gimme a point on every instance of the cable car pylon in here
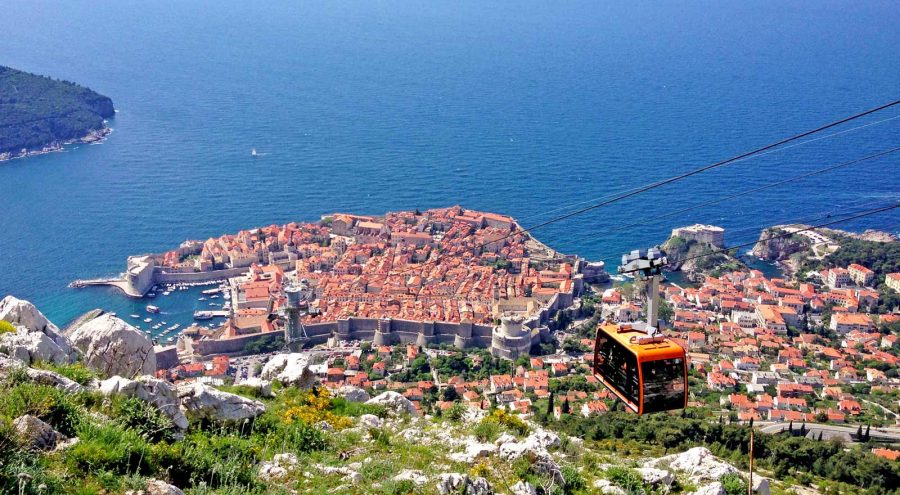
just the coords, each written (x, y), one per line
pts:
(645, 370)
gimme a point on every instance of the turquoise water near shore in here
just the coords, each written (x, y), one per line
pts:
(513, 107)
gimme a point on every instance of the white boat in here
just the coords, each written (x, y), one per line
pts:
(148, 320)
(211, 291)
(214, 297)
(152, 309)
(253, 152)
(135, 316)
(203, 315)
(201, 299)
(166, 293)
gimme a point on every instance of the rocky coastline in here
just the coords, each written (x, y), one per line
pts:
(95, 136)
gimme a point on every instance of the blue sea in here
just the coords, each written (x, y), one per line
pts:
(525, 108)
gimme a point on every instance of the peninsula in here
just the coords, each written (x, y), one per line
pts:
(39, 114)
(444, 275)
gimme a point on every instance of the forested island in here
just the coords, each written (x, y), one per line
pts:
(39, 114)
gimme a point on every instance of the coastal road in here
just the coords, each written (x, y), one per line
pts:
(878, 434)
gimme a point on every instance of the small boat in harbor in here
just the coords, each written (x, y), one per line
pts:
(212, 291)
(148, 320)
(203, 315)
(214, 297)
(152, 309)
(253, 153)
(201, 299)
(135, 316)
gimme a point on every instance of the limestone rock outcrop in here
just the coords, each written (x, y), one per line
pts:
(290, 369)
(395, 403)
(30, 347)
(113, 347)
(156, 487)
(43, 377)
(698, 463)
(353, 394)
(36, 434)
(22, 313)
(201, 401)
(455, 483)
(159, 393)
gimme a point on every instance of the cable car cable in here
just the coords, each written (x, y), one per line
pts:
(670, 180)
(788, 234)
(870, 124)
(745, 192)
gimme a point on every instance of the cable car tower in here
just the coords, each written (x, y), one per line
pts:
(647, 264)
(298, 298)
(641, 367)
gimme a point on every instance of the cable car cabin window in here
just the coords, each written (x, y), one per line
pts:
(619, 367)
(663, 385)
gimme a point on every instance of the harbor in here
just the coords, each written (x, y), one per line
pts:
(168, 309)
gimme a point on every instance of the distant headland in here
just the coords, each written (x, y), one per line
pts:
(39, 114)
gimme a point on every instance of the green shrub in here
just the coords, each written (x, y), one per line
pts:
(76, 372)
(575, 482)
(343, 407)
(145, 419)
(109, 447)
(57, 408)
(487, 430)
(627, 479)
(455, 412)
(733, 484)
(217, 461)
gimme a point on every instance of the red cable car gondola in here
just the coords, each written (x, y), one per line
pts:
(648, 373)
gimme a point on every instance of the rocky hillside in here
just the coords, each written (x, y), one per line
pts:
(681, 253)
(779, 249)
(82, 414)
(38, 112)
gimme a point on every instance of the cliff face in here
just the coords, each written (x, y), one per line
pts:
(696, 260)
(779, 249)
(38, 112)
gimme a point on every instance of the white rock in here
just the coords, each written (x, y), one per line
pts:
(30, 347)
(654, 476)
(43, 377)
(761, 485)
(159, 393)
(349, 474)
(113, 347)
(413, 475)
(35, 433)
(370, 421)
(203, 402)
(710, 489)
(543, 439)
(290, 369)
(608, 488)
(287, 460)
(156, 487)
(478, 486)
(395, 403)
(504, 438)
(353, 394)
(523, 488)
(698, 463)
(413, 434)
(473, 452)
(451, 483)
(262, 387)
(21, 312)
(269, 471)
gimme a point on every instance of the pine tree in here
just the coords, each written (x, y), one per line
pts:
(803, 429)
(820, 435)
(565, 406)
(791, 427)
(859, 433)
(751, 421)
(868, 435)
(550, 405)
